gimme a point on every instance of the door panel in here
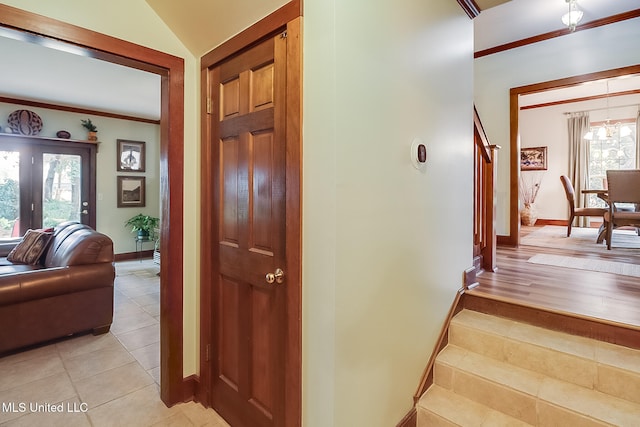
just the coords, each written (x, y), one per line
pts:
(61, 188)
(9, 194)
(250, 319)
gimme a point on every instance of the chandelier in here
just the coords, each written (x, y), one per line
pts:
(573, 16)
(608, 130)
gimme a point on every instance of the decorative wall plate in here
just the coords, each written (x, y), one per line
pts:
(63, 134)
(25, 122)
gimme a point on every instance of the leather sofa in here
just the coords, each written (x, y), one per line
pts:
(70, 289)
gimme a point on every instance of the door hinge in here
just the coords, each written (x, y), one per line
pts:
(33, 207)
(283, 35)
(207, 353)
(208, 105)
(33, 160)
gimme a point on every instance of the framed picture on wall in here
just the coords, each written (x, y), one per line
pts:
(131, 156)
(131, 191)
(533, 159)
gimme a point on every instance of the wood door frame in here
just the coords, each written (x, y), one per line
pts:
(513, 239)
(171, 70)
(290, 17)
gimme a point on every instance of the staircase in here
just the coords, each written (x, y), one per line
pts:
(499, 372)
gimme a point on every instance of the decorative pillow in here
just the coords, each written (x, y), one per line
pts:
(31, 248)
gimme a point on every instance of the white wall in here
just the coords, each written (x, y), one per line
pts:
(582, 52)
(385, 245)
(109, 218)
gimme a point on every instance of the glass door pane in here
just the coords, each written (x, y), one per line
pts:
(61, 188)
(9, 194)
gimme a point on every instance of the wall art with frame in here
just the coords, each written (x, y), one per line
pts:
(533, 159)
(131, 191)
(131, 156)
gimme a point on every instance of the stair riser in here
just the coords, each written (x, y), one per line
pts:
(528, 408)
(495, 396)
(562, 366)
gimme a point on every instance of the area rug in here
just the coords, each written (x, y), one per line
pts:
(587, 264)
(555, 236)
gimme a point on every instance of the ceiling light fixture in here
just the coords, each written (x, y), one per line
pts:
(608, 131)
(571, 18)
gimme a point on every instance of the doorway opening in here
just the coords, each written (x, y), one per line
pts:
(41, 29)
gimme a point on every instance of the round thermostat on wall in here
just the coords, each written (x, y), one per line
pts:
(418, 154)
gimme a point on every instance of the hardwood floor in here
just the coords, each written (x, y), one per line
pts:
(611, 298)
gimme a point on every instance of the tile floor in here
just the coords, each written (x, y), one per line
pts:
(106, 380)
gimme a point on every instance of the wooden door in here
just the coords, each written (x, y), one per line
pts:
(248, 297)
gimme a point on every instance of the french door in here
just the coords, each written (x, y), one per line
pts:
(44, 183)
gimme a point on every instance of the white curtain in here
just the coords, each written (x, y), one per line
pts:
(578, 126)
(638, 139)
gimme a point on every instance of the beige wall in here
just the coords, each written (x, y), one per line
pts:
(582, 52)
(385, 245)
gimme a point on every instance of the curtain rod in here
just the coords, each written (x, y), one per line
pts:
(605, 108)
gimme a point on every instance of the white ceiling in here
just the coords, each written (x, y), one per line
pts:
(520, 19)
(42, 74)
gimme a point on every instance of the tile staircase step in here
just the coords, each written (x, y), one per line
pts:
(528, 396)
(496, 371)
(440, 407)
(593, 364)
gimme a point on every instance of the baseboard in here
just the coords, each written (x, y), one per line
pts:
(189, 387)
(470, 277)
(505, 241)
(562, 222)
(409, 420)
(127, 256)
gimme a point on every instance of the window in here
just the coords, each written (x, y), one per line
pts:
(612, 147)
(44, 182)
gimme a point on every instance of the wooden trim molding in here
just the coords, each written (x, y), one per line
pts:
(128, 256)
(558, 33)
(409, 420)
(189, 387)
(76, 110)
(601, 330)
(171, 70)
(470, 7)
(443, 340)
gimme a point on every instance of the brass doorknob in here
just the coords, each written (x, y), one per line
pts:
(275, 277)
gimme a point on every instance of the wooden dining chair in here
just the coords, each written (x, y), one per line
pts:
(623, 187)
(575, 212)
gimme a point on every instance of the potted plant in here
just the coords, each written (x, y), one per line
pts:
(91, 129)
(144, 225)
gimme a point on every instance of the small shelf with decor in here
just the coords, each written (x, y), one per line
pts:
(8, 137)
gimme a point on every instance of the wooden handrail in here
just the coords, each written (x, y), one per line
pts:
(485, 175)
(485, 146)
